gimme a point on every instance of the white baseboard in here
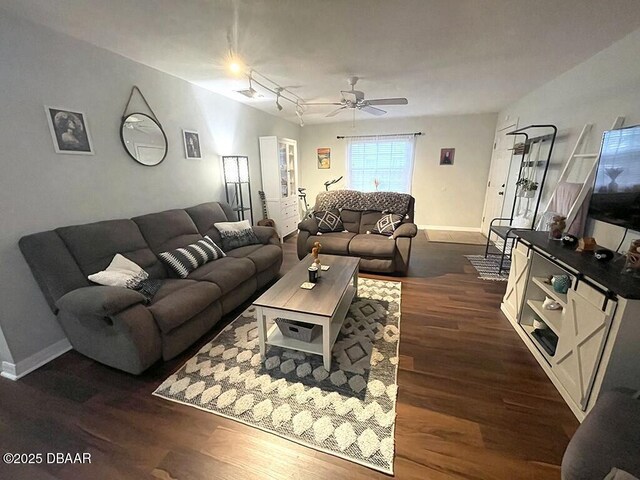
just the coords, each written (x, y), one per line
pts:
(445, 227)
(15, 371)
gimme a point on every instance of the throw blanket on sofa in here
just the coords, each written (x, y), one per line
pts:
(392, 202)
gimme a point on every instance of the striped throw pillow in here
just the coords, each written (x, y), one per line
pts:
(185, 260)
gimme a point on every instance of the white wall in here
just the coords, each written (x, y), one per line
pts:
(450, 196)
(596, 91)
(41, 190)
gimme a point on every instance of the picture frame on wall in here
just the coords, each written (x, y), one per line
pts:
(192, 147)
(69, 131)
(447, 155)
(324, 158)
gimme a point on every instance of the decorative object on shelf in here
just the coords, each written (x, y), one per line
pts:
(526, 188)
(266, 221)
(561, 283)
(603, 254)
(556, 227)
(447, 155)
(538, 324)
(69, 131)
(569, 240)
(237, 186)
(191, 140)
(324, 158)
(587, 244)
(551, 304)
(142, 135)
(632, 264)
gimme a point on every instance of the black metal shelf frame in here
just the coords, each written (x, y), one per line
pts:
(505, 232)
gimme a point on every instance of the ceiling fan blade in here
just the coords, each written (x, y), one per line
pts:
(321, 103)
(335, 112)
(372, 110)
(388, 101)
(353, 95)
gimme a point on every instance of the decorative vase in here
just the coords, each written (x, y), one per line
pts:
(561, 283)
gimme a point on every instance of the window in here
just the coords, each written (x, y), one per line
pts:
(383, 163)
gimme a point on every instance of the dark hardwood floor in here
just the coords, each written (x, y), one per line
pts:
(472, 403)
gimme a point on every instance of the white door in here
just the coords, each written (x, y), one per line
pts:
(498, 174)
(585, 327)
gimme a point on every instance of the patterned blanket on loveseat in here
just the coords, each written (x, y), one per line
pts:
(391, 202)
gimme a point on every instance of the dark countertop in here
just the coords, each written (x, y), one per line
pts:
(608, 274)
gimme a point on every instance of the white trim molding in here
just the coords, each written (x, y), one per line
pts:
(450, 228)
(15, 371)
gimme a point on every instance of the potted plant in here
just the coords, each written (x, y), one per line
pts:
(526, 187)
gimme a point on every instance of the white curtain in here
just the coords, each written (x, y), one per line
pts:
(381, 163)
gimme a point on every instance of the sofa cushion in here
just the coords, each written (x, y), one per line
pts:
(180, 300)
(369, 220)
(205, 215)
(372, 245)
(183, 261)
(351, 219)
(329, 221)
(333, 243)
(94, 245)
(387, 224)
(167, 230)
(263, 256)
(227, 273)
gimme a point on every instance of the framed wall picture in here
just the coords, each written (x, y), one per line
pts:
(447, 155)
(69, 131)
(191, 144)
(324, 158)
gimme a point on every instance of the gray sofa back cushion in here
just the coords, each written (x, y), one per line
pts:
(94, 245)
(205, 215)
(369, 220)
(351, 220)
(168, 230)
(53, 266)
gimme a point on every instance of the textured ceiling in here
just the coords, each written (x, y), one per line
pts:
(445, 56)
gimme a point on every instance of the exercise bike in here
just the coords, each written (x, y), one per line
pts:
(302, 195)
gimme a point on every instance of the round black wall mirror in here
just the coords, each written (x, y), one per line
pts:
(144, 139)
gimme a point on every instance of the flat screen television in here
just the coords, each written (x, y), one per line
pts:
(616, 193)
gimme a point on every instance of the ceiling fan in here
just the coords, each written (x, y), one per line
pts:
(352, 99)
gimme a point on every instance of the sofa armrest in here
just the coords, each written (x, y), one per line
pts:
(266, 235)
(406, 230)
(309, 225)
(99, 300)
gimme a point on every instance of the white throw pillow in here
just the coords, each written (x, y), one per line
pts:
(121, 272)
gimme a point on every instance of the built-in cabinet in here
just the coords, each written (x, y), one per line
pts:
(279, 164)
(590, 344)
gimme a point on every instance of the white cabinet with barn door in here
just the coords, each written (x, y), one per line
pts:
(279, 164)
(586, 338)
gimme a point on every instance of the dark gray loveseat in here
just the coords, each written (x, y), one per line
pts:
(115, 325)
(359, 212)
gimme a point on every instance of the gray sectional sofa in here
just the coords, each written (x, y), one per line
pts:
(120, 327)
(359, 212)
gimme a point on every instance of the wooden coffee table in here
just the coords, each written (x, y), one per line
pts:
(326, 304)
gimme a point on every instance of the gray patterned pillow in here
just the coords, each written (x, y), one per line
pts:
(387, 224)
(236, 234)
(329, 221)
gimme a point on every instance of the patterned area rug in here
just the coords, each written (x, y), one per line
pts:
(348, 412)
(488, 267)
